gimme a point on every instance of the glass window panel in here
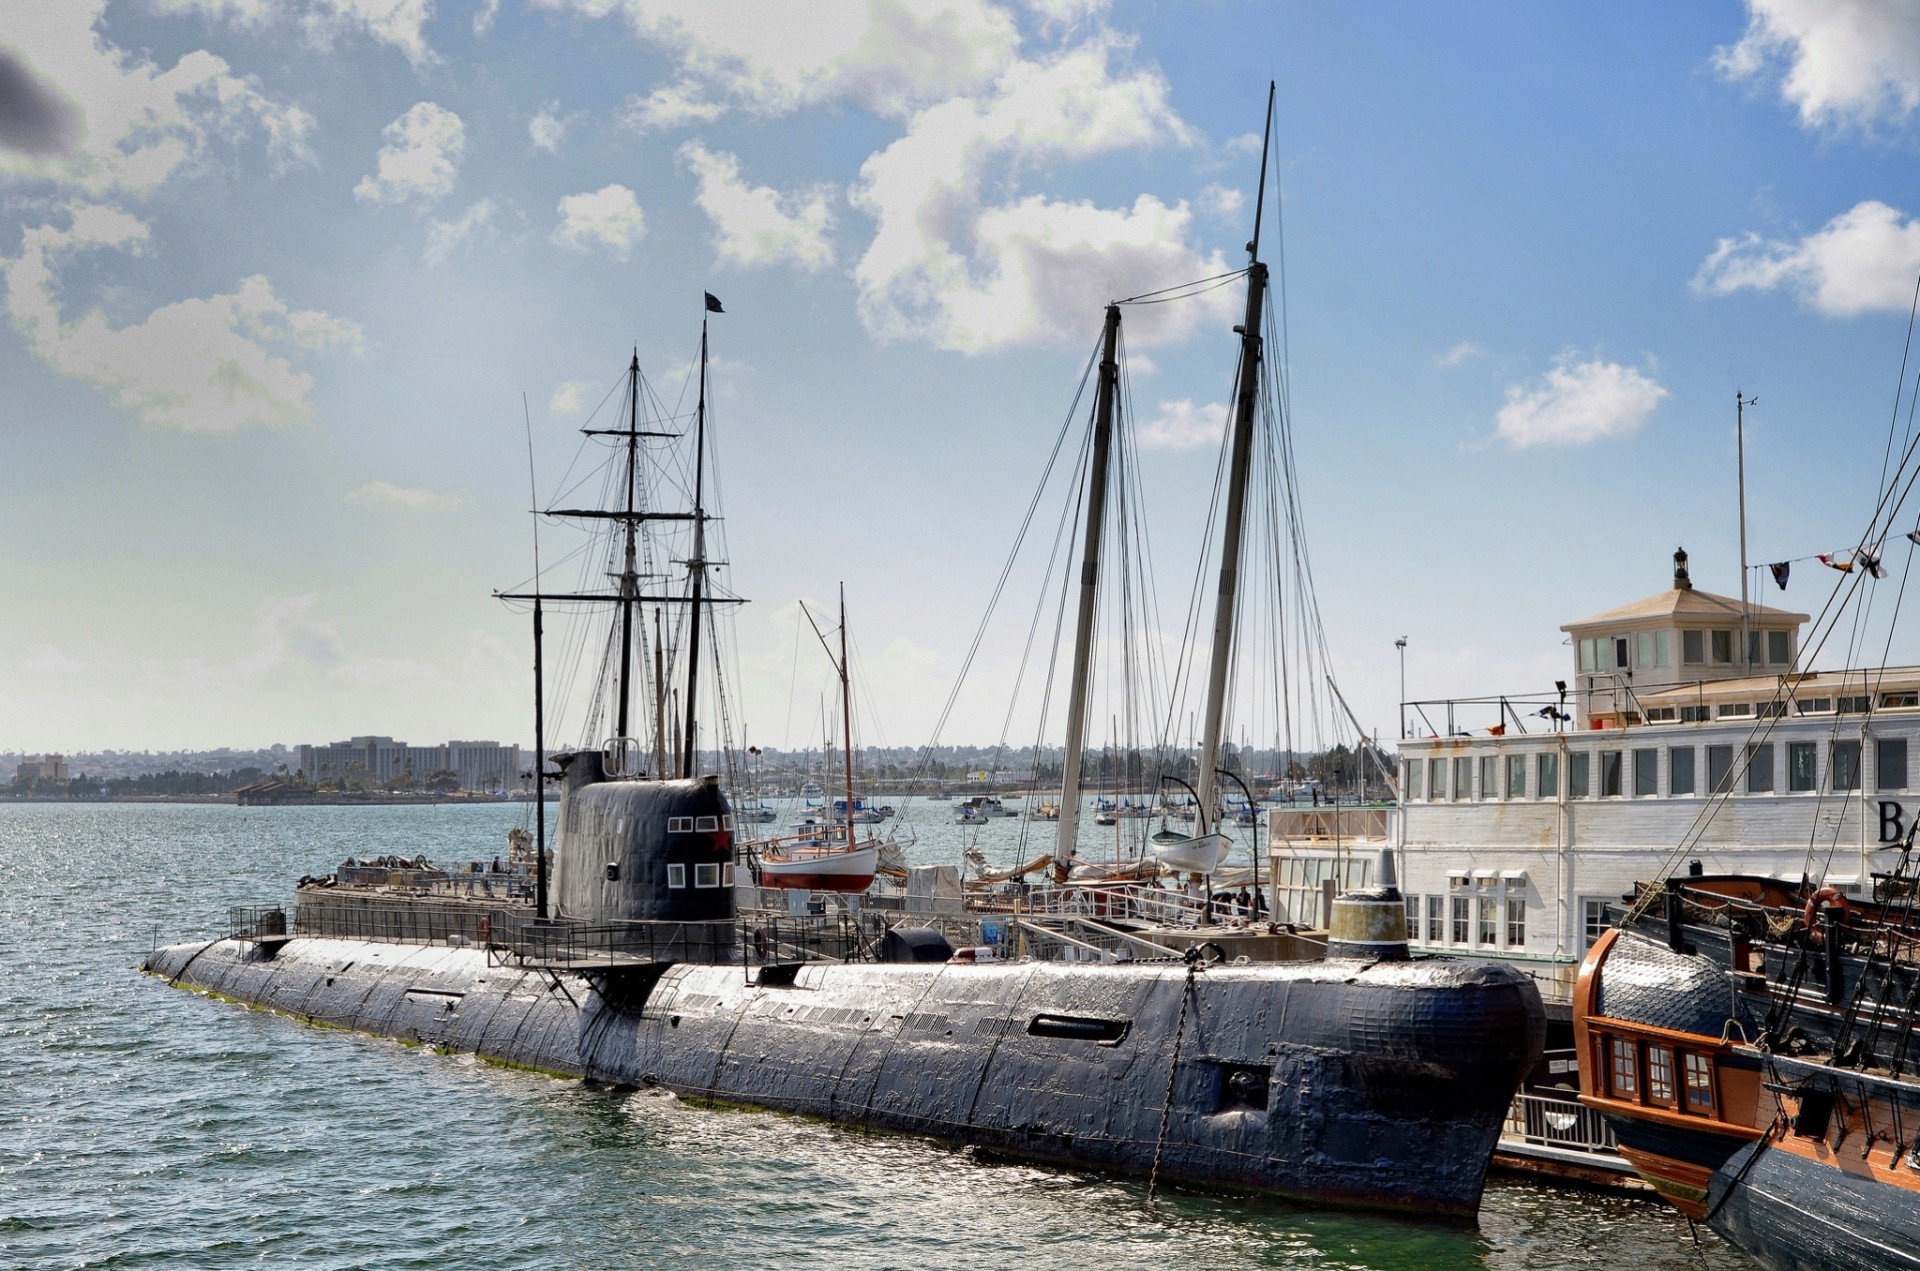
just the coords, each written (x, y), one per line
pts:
(1699, 1077)
(1516, 921)
(1643, 649)
(1587, 656)
(676, 875)
(1436, 920)
(1489, 788)
(1437, 778)
(1415, 786)
(1620, 653)
(1489, 919)
(1693, 647)
(1753, 649)
(1609, 773)
(1516, 776)
(1577, 774)
(706, 875)
(1413, 917)
(1779, 647)
(1659, 648)
(1549, 774)
(1646, 773)
(1845, 765)
(1623, 1068)
(1660, 1074)
(1890, 763)
(1800, 774)
(1760, 768)
(1719, 769)
(1722, 647)
(1462, 918)
(1462, 779)
(1680, 770)
(1593, 918)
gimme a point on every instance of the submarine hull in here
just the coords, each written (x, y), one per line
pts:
(1376, 1085)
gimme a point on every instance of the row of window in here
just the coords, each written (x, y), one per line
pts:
(1612, 774)
(704, 875)
(1485, 918)
(1646, 649)
(1660, 1075)
(1854, 704)
(699, 824)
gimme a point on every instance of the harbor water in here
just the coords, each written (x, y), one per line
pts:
(142, 1126)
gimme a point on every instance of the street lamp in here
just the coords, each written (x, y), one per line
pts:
(1401, 644)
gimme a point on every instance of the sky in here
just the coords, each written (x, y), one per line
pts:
(278, 276)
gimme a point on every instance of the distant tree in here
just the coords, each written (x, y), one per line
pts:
(445, 781)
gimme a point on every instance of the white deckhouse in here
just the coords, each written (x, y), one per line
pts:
(1693, 742)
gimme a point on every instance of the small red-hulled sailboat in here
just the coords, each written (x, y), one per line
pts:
(823, 857)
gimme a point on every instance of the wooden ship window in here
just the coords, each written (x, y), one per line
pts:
(1699, 1076)
(1660, 1075)
(1623, 1068)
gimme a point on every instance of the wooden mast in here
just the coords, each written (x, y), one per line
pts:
(697, 567)
(846, 713)
(1240, 467)
(1067, 829)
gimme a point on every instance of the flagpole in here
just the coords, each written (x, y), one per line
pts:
(1740, 403)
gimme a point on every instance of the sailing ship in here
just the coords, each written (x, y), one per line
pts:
(813, 860)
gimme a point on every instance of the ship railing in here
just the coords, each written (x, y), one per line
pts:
(256, 922)
(1557, 1122)
(520, 939)
(477, 882)
(343, 914)
(1075, 939)
(1138, 902)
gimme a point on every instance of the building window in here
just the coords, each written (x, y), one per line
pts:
(706, 875)
(1680, 770)
(1462, 779)
(1488, 787)
(1516, 921)
(1813, 705)
(1646, 773)
(676, 875)
(1800, 775)
(1413, 917)
(1660, 1075)
(1736, 710)
(1593, 919)
(1650, 649)
(1462, 918)
(1620, 653)
(1695, 714)
(1436, 920)
(1415, 770)
(1890, 763)
(1844, 765)
(1693, 647)
(1623, 1068)
(1609, 774)
(1699, 1076)
(1516, 776)
(1719, 769)
(1548, 770)
(1489, 909)
(1722, 648)
(707, 824)
(1577, 774)
(1436, 779)
(679, 824)
(1760, 768)
(1589, 655)
(1856, 705)
(1779, 647)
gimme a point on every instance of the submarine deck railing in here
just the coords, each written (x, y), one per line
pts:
(1139, 902)
(520, 939)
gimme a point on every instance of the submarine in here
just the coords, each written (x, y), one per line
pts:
(1366, 1080)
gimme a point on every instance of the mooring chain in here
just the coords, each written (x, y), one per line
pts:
(1173, 1070)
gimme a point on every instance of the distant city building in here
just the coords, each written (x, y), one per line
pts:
(480, 765)
(41, 768)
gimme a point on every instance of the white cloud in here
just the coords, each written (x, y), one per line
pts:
(1222, 201)
(121, 123)
(569, 397)
(399, 23)
(758, 225)
(198, 365)
(548, 128)
(886, 55)
(445, 237)
(608, 218)
(484, 16)
(1840, 63)
(1181, 425)
(946, 268)
(1459, 355)
(421, 159)
(1578, 402)
(1862, 260)
(387, 494)
(670, 106)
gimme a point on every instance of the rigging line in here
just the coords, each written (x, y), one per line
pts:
(1215, 279)
(1013, 555)
(1197, 290)
(1900, 382)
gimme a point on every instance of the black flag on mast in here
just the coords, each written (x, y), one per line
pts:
(713, 303)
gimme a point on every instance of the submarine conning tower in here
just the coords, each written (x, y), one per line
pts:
(1371, 923)
(640, 851)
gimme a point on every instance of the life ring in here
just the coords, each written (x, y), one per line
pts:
(1827, 895)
